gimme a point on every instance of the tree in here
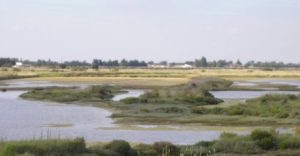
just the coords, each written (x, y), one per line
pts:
(62, 66)
(197, 63)
(163, 63)
(201, 63)
(239, 63)
(7, 62)
(95, 64)
(221, 63)
(124, 63)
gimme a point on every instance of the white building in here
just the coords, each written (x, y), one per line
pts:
(185, 66)
(157, 66)
(18, 65)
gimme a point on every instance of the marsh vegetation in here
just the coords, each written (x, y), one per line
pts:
(195, 92)
(73, 94)
(259, 142)
(187, 103)
(276, 106)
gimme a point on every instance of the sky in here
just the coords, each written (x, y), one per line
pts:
(172, 30)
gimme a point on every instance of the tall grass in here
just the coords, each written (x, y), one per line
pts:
(276, 106)
(258, 142)
(47, 147)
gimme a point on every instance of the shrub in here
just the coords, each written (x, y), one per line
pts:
(166, 148)
(264, 139)
(130, 100)
(235, 111)
(120, 146)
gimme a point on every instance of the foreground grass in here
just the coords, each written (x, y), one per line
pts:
(259, 142)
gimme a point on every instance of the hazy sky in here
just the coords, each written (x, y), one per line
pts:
(174, 30)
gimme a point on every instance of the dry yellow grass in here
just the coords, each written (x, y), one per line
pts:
(147, 77)
(121, 81)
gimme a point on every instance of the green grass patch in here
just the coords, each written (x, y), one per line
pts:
(276, 106)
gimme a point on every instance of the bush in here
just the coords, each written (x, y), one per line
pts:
(264, 139)
(235, 111)
(122, 147)
(166, 148)
(130, 100)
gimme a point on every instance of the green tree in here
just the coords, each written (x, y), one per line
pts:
(124, 63)
(201, 63)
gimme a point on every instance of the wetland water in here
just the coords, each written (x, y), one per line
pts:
(236, 95)
(130, 93)
(23, 119)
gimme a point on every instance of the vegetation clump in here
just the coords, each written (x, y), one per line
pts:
(93, 93)
(196, 92)
(258, 142)
(277, 106)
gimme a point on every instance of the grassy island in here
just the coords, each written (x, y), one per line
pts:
(73, 94)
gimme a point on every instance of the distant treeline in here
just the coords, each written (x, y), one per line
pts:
(7, 62)
(114, 63)
(96, 63)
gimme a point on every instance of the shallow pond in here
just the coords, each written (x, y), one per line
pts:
(251, 83)
(233, 95)
(129, 93)
(236, 95)
(34, 84)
